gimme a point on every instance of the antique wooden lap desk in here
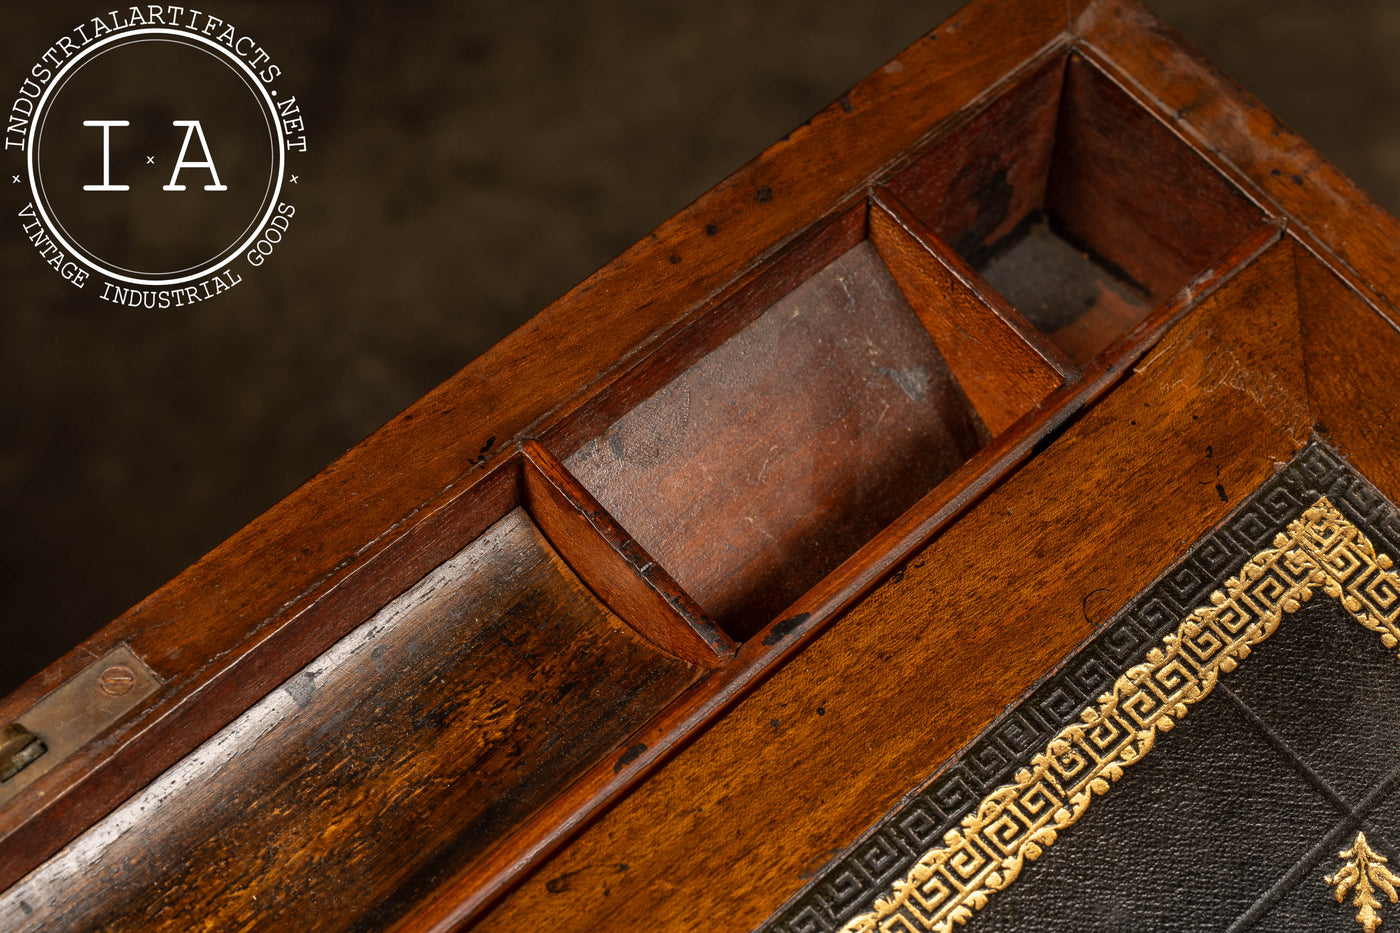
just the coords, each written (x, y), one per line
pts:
(975, 510)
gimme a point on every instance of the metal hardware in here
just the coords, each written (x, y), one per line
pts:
(116, 680)
(18, 747)
(70, 716)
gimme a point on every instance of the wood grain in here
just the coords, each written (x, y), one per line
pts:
(464, 897)
(1240, 136)
(801, 766)
(773, 458)
(923, 587)
(717, 320)
(1078, 202)
(400, 755)
(990, 170)
(245, 617)
(1003, 367)
(1351, 351)
(1124, 185)
(615, 567)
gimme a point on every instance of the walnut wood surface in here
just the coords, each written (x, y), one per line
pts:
(800, 767)
(1241, 137)
(700, 803)
(763, 466)
(244, 618)
(999, 362)
(1132, 192)
(990, 170)
(454, 713)
(1356, 405)
(615, 567)
(1066, 155)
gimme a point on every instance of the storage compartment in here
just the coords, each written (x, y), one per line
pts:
(1079, 206)
(775, 456)
(404, 753)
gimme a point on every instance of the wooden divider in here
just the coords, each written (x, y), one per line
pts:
(615, 566)
(1004, 365)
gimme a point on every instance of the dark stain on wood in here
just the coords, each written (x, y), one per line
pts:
(1077, 204)
(452, 715)
(785, 627)
(1015, 121)
(632, 753)
(755, 472)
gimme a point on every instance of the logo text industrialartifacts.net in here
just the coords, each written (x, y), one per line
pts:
(154, 152)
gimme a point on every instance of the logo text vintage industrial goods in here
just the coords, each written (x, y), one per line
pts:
(155, 148)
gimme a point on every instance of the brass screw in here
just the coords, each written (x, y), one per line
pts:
(116, 680)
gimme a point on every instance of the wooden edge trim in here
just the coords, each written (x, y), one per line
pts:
(1113, 71)
(294, 611)
(1269, 161)
(268, 627)
(1129, 348)
(465, 897)
(1318, 250)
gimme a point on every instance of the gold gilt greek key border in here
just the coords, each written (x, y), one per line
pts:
(1321, 550)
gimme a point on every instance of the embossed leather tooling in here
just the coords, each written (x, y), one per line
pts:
(1319, 554)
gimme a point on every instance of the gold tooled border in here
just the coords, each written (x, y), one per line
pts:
(1017, 822)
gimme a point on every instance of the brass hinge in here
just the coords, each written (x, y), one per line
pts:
(70, 716)
(18, 747)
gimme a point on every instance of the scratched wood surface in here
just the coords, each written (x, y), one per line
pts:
(255, 610)
(771, 460)
(1045, 476)
(398, 756)
(809, 760)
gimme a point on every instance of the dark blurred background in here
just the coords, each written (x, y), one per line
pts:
(468, 163)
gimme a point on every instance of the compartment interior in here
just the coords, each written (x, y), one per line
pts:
(1079, 206)
(777, 454)
(447, 719)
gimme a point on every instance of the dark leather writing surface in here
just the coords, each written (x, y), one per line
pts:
(1233, 814)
